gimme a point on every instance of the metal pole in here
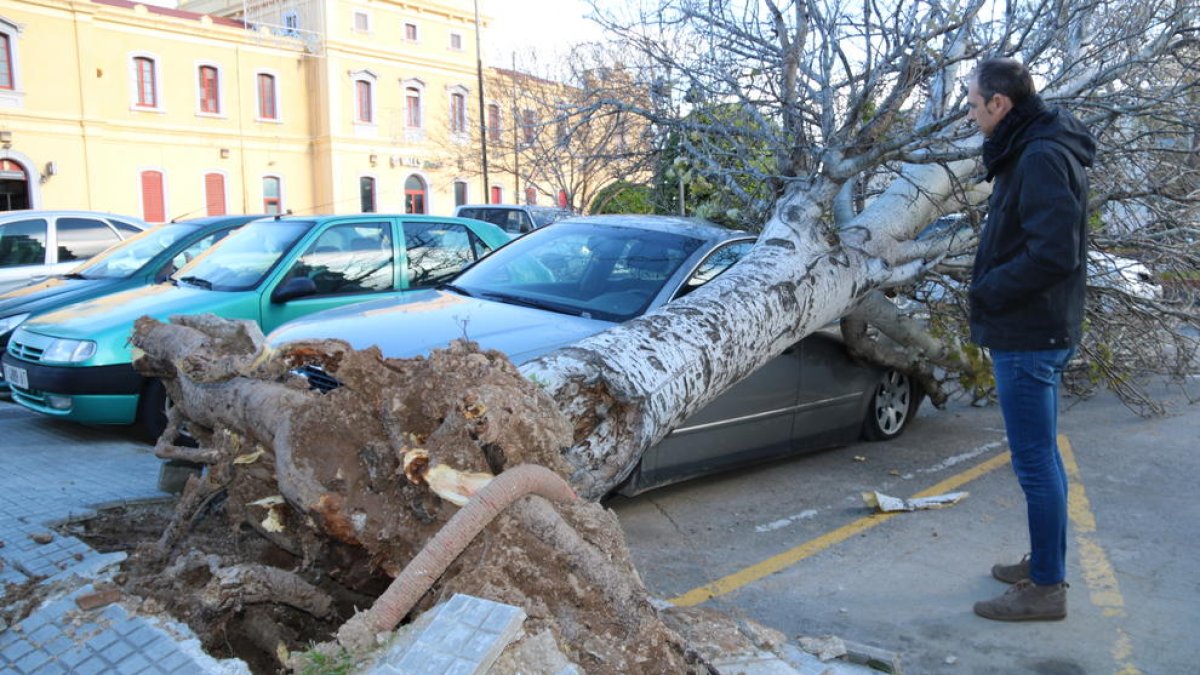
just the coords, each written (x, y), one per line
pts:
(483, 138)
(516, 138)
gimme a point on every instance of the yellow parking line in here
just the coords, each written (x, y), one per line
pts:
(775, 563)
(1098, 573)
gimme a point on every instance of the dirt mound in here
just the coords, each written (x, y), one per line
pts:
(312, 502)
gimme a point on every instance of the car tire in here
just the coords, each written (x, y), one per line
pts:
(892, 407)
(152, 409)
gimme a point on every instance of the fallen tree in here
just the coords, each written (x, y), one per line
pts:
(354, 484)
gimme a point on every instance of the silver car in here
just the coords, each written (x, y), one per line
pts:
(577, 277)
(35, 245)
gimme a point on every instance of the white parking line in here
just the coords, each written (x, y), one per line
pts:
(966, 456)
(784, 522)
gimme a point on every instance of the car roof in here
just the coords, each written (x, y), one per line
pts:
(696, 228)
(419, 217)
(219, 220)
(55, 213)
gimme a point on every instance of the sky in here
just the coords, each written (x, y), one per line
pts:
(549, 25)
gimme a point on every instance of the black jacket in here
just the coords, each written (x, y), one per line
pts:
(1027, 290)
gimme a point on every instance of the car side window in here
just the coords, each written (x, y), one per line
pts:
(126, 229)
(349, 258)
(188, 254)
(717, 262)
(436, 252)
(23, 242)
(82, 238)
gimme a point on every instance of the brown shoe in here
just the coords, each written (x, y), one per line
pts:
(1026, 601)
(1011, 574)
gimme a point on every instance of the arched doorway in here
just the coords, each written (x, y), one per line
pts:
(14, 186)
(415, 197)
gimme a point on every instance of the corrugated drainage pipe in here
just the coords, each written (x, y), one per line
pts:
(418, 576)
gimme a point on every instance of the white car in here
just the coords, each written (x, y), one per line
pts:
(35, 245)
(1106, 270)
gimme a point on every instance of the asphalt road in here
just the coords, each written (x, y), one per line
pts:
(792, 544)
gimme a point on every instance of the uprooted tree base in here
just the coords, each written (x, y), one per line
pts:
(312, 502)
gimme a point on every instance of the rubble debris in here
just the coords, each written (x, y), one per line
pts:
(888, 504)
(824, 647)
(102, 596)
(41, 537)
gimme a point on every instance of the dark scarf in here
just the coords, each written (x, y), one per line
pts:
(1003, 141)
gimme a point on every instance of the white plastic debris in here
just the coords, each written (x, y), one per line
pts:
(889, 504)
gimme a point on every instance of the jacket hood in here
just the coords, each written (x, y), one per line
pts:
(1032, 120)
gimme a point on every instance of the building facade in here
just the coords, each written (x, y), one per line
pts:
(308, 106)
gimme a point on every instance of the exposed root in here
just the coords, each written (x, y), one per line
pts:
(240, 585)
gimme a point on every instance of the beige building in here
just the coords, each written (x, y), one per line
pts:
(309, 106)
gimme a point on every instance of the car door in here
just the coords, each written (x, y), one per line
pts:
(78, 238)
(752, 420)
(346, 261)
(829, 400)
(23, 251)
(436, 251)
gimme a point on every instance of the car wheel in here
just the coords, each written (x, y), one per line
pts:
(892, 406)
(152, 409)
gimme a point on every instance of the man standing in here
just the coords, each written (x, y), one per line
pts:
(1027, 295)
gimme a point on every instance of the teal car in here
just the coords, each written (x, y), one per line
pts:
(76, 362)
(146, 258)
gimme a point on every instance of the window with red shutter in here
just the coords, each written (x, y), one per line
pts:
(214, 194)
(413, 97)
(364, 101)
(497, 194)
(6, 71)
(209, 101)
(153, 207)
(266, 97)
(147, 94)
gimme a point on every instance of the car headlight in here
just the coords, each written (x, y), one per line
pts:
(63, 350)
(9, 323)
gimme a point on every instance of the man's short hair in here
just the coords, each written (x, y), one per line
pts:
(1003, 76)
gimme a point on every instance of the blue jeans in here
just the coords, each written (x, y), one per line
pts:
(1027, 383)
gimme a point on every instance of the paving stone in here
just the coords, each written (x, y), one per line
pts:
(31, 661)
(464, 638)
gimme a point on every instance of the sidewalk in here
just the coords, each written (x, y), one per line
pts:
(45, 481)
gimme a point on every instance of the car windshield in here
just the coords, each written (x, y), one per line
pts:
(129, 256)
(584, 269)
(543, 217)
(244, 258)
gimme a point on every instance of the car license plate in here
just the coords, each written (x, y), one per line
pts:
(16, 377)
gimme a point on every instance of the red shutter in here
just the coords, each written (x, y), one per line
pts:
(153, 208)
(496, 195)
(214, 194)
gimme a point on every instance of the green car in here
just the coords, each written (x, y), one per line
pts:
(76, 362)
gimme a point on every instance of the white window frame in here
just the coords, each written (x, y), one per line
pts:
(354, 21)
(416, 29)
(370, 78)
(159, 99)
(415, 133)
(221, 112)
(358, 190)
(262, 195)
(278, 119)
(461, 43)
(466, 192)
(464, 135)
(15, 97)
(291, 30)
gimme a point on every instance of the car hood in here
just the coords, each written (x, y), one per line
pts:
(53, 293)
(422, 321)
(91, 319)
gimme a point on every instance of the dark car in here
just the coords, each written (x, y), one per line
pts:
(559, 284)
(143, 259)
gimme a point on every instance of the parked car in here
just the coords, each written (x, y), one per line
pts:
(75, 362)
(37, 244)
(514, 218)
(143, 259)
(580, 276)
(1119, 273)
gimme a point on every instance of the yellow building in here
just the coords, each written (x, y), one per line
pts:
(309, 106)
